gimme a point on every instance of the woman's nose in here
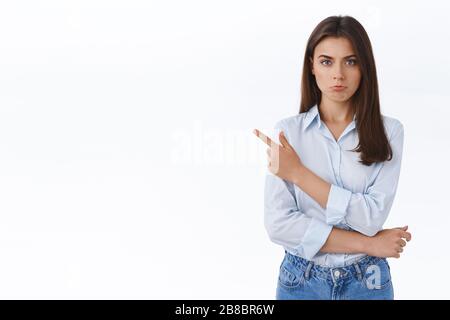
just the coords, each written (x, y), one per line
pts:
(338, 73)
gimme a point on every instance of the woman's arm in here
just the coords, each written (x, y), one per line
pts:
(290, 227)
(313, 185)
(386, 243)
(363, 212)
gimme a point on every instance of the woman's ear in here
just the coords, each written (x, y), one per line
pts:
(311, 63)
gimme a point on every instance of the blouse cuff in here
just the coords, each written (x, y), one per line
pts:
(338, 200)
(315, 237)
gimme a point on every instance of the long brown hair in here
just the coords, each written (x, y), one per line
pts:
(373, 143)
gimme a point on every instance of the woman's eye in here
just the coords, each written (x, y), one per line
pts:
(327, 62)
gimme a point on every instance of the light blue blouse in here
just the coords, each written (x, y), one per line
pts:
(360, 196)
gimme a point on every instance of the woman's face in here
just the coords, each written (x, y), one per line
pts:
(334, 64)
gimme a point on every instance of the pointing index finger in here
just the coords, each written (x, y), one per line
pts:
(264, 138)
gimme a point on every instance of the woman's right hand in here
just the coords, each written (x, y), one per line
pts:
(388, 243)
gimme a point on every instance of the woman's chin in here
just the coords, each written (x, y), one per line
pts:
(338, 97)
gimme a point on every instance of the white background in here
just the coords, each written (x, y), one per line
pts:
(128, 169)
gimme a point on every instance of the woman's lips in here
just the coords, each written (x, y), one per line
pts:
(338, 88)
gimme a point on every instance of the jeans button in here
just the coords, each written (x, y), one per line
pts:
(337, 273)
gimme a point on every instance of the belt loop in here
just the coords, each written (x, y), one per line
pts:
(358, 271)
(308, 269)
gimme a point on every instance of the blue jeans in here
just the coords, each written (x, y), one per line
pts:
(367, 278)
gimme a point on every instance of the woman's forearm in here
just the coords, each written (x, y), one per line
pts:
(313, 185)
(339, 240)
(344, 241)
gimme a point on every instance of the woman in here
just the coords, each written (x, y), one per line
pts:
(333, 179)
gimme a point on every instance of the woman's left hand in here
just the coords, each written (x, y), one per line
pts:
(283, 160)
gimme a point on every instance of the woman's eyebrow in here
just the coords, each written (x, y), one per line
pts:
(328, 57)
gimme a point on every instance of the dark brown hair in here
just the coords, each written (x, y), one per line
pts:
(373, 143)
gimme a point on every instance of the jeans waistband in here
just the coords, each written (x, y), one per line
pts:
(356, 269)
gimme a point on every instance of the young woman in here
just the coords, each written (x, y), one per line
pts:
(334, 175)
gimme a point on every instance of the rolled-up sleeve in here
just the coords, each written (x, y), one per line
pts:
(366, 212)
(286, 225)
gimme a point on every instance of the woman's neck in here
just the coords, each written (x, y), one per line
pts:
(336, 112)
